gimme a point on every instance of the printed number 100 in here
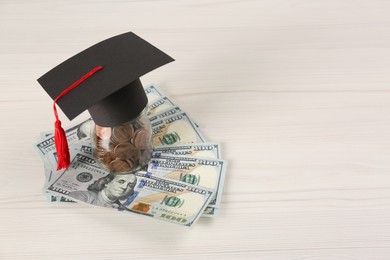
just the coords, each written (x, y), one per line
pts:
(173, 218)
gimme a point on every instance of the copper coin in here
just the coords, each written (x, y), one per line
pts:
(141, 139)
(131, 163)
(137, 125)
(144, 122)
(103, 132)
(122, 133)
(112, 145)
(98, 154)
(127, 151)
(107, 158)
(119, 165)
(123, 151)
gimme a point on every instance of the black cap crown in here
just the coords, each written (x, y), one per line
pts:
(114, 95)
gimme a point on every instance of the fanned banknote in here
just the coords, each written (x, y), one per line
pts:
(210, 212)
(152, 196)
(160, 105)
(153, 93)
(204, 150)
(177, 129)
(45, 148)
(203, 172)
(73, 135)
(168, 113)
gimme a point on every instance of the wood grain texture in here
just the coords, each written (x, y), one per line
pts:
(296, 92)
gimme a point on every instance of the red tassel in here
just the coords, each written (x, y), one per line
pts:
(63, 156)
(62, 148)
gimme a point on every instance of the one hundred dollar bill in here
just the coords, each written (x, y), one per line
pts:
(153, 93)
(168, 113)
(210, 212)
(165, 113)
(202, 172)
(160, 105)
(45, 148)
(84, 147)
(177, 129)
(204, 150)
(153, 196)
(51, 173)
(50, 166)
(51, 159)
(73, 135)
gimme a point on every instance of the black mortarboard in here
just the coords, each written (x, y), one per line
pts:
(114, 95)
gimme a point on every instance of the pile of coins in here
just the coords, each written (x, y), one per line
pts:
(124, 148)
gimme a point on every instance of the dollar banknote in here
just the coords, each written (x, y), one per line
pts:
(166, 113)
(153, 93)
(73, 134)
(50, 165)
(153, 196)
(210, 212)
(48, 174)
(204, 150)
(51, 159)
(177, 129)
(202, 172)
(160, 105)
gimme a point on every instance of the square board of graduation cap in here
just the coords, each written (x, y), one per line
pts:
(113, 95)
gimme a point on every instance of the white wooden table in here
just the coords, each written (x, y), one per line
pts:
(296, 92)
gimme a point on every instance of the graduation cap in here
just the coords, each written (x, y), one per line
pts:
(103, 79)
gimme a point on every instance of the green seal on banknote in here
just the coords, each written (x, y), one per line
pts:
(173, 202)
(170, 138)
(190, 178)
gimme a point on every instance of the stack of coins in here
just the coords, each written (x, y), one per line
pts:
(124, 148)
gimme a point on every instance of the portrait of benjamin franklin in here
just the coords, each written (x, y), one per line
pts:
(108, 191)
